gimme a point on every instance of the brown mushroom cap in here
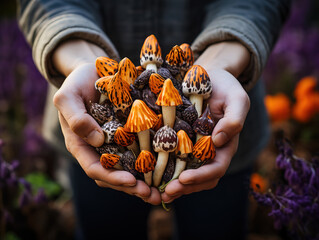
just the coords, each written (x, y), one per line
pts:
(119, 93)
(188, 56)
(145, 162)
(109, 160)
(127, 70)
(184, 145)
(204, 149)
(141, 117)
(169, 95)
(175, 58)
(165, 140)
(151, 52)
(204, 125)
(156, 82)
(102, 83)
(197, 81)
(123, 137)
(106, 66)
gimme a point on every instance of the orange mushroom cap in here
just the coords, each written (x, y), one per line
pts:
(204, 149)
(188, 56)
(156, 82)
(102, 83)
(119, 93)
(127, 70)
(159, 123)
(109, 160)
(169, 96)
(184, 144)
(106, 66)
(145, 162)
(197, 81)
(139, 70)
(175, 57)
(141, 117)
(151, 52)
(123, 137)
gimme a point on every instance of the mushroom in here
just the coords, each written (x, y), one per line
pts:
(164, 142)
(184, 148)
(190, 114)
(204, 149)
(110, 161)
(156, 82)
(106, 66)
(101, 113)
(150, 99)
(142, 80)
(109, 129)
(182, 125)
(101, 85)
(108, 148)
(151, 54)
(127, 161)
(127, 70)
(139, 70)
(140, 120)
(145, 163)
(135, 93)
(169, 98)
(174, 61)
(170, 168)
(126, 139)
(197, 86)
(159, 123)
(204, 125)
(119, 93)
(188, 57)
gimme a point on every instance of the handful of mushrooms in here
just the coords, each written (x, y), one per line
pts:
(153, 114)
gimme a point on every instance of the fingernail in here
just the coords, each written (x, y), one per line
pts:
(95, 138)
(220, 139)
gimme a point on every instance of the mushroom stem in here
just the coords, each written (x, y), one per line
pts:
(151, 66)
(179, 168)
(103, 97)
(169, 114)
(198, 101)
(135, 148)
(144, 140)
(160, 166)
(148, 178)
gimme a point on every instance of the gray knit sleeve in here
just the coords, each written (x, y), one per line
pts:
(254, 23)
(46, 24)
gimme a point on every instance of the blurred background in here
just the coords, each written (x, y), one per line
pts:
(36, 204)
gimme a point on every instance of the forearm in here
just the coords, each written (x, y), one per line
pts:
(72, 53)
(231, 56)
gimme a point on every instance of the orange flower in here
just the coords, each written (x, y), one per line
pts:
(258, 183)
(278, 107)
(306, 108)
(305, 87)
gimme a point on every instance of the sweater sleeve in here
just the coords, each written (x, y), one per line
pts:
(254, 23)
(47, 23)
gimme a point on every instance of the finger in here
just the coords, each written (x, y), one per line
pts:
(88, 159)
(214, 169)
(72, 107)
(235, 112)
(154, 198)
(140, 190)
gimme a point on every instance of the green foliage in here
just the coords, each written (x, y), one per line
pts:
(40, 180)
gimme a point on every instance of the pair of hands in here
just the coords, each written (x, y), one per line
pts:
(229, 104)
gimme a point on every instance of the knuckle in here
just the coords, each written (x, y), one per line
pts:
(76, 123)
(58, 98)
(236, 125)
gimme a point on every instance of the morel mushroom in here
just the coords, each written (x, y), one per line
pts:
(204, 125)
(140, 120)
(188, 57)
(204, 149)
(101, 85)
(150, 99)
(145, 163)
(119, 93)
(127, 70)
(151, 54)
(110, 161)
(190, 114)
(139, 70)
(169, 98)
(182, 125)
(143, 79)
(174, 61)
(184, 148)
(109, 129)
(101, 113)
(106, 66)
(108, 148)
(127, 161)
(126, 139)
(156, 82)
(197, 86)
(164, 142)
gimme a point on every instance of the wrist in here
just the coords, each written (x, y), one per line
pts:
(73, 53)
(230, 56)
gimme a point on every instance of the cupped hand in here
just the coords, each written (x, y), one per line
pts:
(229, 105)
(82, 133)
